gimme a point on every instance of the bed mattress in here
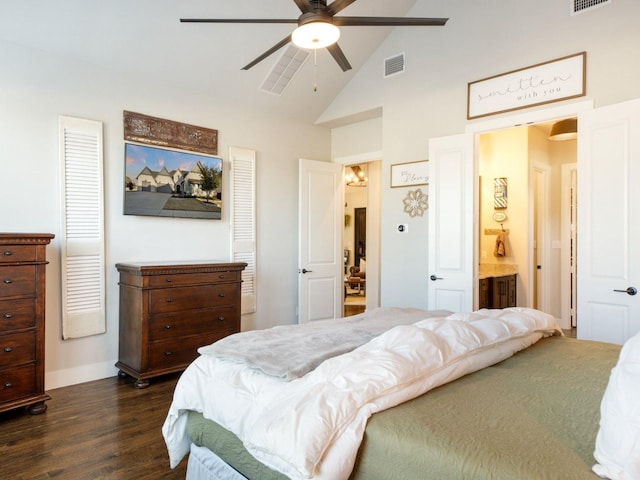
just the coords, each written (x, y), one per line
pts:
(532, 416)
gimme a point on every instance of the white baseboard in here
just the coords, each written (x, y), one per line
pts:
(73, 376)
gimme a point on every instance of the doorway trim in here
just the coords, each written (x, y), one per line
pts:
(539, 198)
(568, 239)
(528, 118)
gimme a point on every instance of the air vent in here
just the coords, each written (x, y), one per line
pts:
(579, 6)
(284, 70)
(394, 65)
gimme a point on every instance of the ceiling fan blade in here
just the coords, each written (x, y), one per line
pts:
(304, 5)
(238, 20)
(273, 49)
(387, 21)
(337, 6)
(338, 55)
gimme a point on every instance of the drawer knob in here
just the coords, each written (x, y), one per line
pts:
(168, 354)
(169, 280)
(168, 327)
(7, 281)
(8, 349)
(8, 253)
(221, 295)
(8, 315)
(8, 384)
(169, 300)
(221, 276)
(221, 319)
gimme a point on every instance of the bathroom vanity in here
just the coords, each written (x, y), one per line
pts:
(497, 285)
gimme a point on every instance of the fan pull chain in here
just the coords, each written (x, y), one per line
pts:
(315, 69)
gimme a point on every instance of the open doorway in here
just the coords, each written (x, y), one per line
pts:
(528, 217)
(354, 239)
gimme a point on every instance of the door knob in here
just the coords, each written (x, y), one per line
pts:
(629, 291)
(304, 270)
(434, 278)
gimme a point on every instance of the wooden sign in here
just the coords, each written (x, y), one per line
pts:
(547, 82)
(167, 133)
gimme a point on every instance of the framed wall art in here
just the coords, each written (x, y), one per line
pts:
(410, 174)
(547, 82)
(161, 132)
(171, 183)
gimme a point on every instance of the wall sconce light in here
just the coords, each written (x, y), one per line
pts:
(564, 130)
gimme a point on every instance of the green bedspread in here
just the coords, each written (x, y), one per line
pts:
(534, 416)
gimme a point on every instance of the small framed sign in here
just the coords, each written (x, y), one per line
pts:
(539, 84)
(410, 174)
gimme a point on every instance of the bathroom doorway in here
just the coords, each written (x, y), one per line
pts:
(531, 215)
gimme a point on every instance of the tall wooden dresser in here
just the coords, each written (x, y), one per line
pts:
(169, 310)
(22, 320)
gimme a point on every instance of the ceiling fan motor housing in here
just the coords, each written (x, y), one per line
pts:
(310, 17)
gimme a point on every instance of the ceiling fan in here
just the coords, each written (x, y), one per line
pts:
(318, 27)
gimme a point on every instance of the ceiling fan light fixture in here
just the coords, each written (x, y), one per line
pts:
(564, 130)
(316, 34)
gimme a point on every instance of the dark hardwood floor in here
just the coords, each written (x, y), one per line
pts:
(105, 429)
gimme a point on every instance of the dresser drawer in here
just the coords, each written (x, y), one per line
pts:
(180, 351)
(17, 348)
(17, 280)
(166, 300)
(17, 315)
(17, 382)
(193, 278)
(193, 322)
(17, 253)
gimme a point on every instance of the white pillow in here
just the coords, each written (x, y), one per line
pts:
(363, 265)
(618, 442)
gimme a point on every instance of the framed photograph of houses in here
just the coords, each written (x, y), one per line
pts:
(172, 183)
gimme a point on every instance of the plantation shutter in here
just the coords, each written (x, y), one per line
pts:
(82, 239)
(243, 220)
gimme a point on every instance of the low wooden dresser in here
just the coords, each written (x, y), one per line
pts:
(169, 310)
(22, 320)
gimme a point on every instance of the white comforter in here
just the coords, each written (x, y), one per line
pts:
(312, 427)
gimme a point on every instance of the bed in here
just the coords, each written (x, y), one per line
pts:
(508, 398)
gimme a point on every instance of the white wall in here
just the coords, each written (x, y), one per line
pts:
(481, 39)
(35, 88)
(356, 138)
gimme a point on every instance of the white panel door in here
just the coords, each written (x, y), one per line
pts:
(452, 195)
(609, 222)
(320, 284)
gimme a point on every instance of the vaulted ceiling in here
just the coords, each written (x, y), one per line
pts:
(145, 39)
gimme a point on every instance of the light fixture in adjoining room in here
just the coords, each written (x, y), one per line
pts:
(357, 177)
(315, 31)
(566, 129)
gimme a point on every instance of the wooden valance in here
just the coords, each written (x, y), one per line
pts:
(167, 133)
